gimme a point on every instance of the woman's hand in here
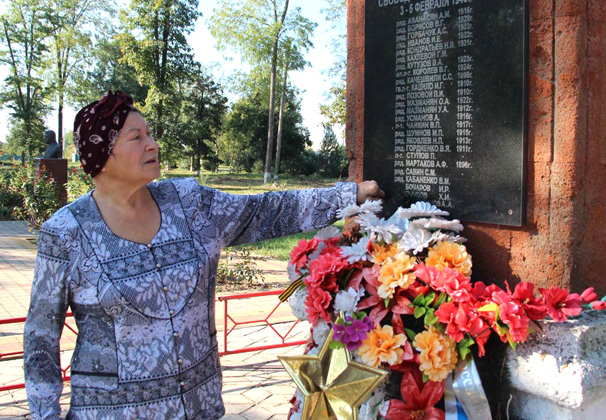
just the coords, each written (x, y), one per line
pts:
(369, 190)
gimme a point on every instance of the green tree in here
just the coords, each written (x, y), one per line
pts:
(108, 70)
(335, 110)
(156, 46)
(23, 34)
(332, 159)
(70, 23)
(204, 108)
(256, 28)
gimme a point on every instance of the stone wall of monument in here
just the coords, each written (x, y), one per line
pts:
(565, 232)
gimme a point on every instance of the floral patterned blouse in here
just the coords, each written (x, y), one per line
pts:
(147, 346)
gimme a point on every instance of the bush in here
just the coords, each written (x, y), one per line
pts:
(305, 164)
(38, 194)
(10, 199)
(78, 183)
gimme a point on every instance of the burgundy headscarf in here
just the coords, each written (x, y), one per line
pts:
(96, 129)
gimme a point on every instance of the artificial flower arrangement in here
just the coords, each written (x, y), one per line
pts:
(396, 295)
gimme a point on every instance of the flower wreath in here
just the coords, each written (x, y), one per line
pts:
(397, 294)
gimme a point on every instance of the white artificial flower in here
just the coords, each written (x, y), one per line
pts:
(358, 251)
(380, 228)
(421, 209)
(328, 232)
(347, 301)
(349, 211)
(320, 332)
(371, 206)
(416, 239)
(384, 408)
(400, 222)
(313, 352)
(292, 274)
(439, 236)
(300, 398)
(435, 223)
(370, 409)
(297, 303)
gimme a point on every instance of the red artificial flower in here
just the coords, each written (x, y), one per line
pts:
(598, 305)
(462, 318)
(324, 269)
(447, 280)
(533, 306)
(419, 400)
(299, 254)
(560, 304)
(589, 295)
(512, 313)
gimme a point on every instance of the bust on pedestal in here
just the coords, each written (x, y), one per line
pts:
(54, 164)
(53, 150)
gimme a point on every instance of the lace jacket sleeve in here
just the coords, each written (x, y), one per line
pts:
(251, 218)
(45, 319)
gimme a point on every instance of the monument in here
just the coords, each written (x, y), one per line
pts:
(53, 149)
(53, 162)
(493, 111)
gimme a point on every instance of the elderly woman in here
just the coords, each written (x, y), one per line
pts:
(136, 263)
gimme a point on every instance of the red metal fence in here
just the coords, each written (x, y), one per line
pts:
(227, 317)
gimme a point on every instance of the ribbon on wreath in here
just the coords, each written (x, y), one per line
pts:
(464, 396)
(294, 286)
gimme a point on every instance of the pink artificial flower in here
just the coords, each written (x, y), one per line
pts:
(560, 304)
(317, 303)
(447, 280)
(398, 304)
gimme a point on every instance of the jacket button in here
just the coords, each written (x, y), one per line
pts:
(180, 361)
(176, 335)
(182, 384)
(165, 288)
(158, 265)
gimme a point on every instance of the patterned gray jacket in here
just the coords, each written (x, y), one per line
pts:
(147, 343)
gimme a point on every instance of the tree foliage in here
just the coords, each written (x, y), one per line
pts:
(23, 92)
(71, 25)
(257, 29)
(155, 44)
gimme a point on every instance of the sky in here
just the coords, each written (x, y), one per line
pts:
(313, 82)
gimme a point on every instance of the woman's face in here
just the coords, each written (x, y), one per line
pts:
(135, 154)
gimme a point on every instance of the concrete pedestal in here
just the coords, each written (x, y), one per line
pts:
(57, 168)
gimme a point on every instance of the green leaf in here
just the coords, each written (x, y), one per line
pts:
(418, 300)
(463, 352)
(441, 299)
(419, 311)
(429, 299)
(334, 345)
(387, 302)
(425, 378)
(410, 334)
(430, 318)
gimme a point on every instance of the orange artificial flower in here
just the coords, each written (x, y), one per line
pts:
(396, 272)
(438, 354)
(449, 254)
(380, 253)
(382, 346)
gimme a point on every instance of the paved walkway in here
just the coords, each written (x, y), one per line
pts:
(255, 386)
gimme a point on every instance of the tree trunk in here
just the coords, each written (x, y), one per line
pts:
(280, 124)
(60, 124)
(270, 122)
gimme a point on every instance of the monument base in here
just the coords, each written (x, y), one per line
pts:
(560, 373)
(57, 168)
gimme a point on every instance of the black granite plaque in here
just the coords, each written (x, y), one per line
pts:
(445, 105)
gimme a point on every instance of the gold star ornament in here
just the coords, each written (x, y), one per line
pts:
(333, 385)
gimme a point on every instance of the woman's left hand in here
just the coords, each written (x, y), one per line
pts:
(369, 190)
